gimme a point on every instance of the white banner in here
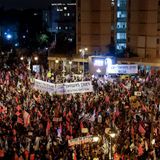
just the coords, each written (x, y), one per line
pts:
(64, 88)
(75, 87)
(44, 86)
(123, 69)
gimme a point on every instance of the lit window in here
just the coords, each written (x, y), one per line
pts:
(121, 35)
(59, 27)
(65, 14)
(112, 3)
(65, 8)
(68, 14)
(66, 27)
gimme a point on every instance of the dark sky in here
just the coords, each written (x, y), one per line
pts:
(25, 3)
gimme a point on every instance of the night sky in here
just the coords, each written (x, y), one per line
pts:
(25, 3)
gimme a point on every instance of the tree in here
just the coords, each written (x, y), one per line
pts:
(43, 39)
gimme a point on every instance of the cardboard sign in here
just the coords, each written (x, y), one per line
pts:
(137, 93)
(84, 130)
(80, 140)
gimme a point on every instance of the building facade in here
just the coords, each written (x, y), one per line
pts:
(143, 29)
(93, 25)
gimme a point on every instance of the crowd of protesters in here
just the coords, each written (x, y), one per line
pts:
(37, 126)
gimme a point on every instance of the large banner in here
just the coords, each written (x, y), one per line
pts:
(63, 88)
(44, 86)
(123, 69)
(75, 87)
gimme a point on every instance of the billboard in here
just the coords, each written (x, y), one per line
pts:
(122, 69)
(98, 64)
(36, 68)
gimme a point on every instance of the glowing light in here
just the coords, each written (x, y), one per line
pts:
(57, 61)
(70, 62)
(95, 139)
(112, 135)
(98, 62)
(8, 36)
(36, 58)
(22, 58)
(98, 70)
(16, 44)
(153, 141)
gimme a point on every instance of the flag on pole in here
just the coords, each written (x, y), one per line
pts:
(81, 125)
(48, 127)
(26, 118)
(19, 120)
(132, 131)
(18, 107)
(140, 150)
(141, 129)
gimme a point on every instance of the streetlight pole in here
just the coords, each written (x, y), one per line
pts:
(70, 68)
(111, 135)
(83, 51)
(110, 149)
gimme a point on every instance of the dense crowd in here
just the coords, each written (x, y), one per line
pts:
(37, 126)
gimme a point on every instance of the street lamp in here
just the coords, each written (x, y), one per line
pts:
(57, 61)
(83, 51)
(36, 58)
(70, 63)
(112, 135)
(22, 58)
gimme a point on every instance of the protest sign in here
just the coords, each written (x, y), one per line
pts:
(57, 119)
(80, 140)
(84, 130)
(137, 93)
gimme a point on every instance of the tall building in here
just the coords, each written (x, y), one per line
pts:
(143, 31)
(132, 24)
(61, 21)
(93, 25)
